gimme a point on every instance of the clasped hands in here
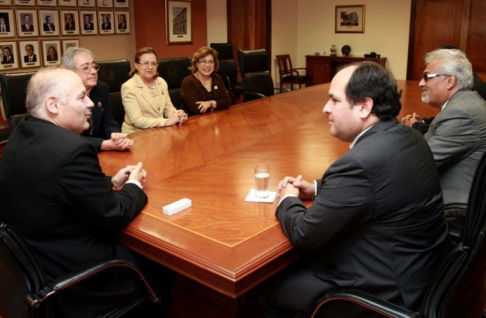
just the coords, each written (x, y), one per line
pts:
(177, 117)
(296, 187)
(204, 106)
(118, 141)
(130, 172)
(409, 120)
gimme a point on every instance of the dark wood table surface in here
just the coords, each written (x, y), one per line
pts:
(223, 242)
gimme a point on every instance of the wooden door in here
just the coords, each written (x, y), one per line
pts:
(475, 40)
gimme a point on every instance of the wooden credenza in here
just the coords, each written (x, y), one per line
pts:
(323, 68)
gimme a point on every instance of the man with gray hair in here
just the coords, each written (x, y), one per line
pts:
(457, 135)
(104, 131)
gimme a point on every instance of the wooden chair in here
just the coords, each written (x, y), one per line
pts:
(289, 75)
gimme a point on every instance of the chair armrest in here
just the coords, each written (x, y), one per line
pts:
(249, 96)
(366, 301)
(227, 82)
(35, 299)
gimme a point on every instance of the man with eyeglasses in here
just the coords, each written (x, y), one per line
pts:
(457, 135)
(104, 131)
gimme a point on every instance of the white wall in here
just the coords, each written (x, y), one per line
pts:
(216, 21)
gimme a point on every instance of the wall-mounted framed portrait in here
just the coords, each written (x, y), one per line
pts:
(87, 3)
(120, 3)
(48, 22)
(67, 3)
(51, 52)
(67, 44)
(7, 26)
(47, 3)
(24, 2)
(8, 56)
(89, 22)
(179, 22)
(69, 22)
(27, 23)
(122, 22)
(5, 2)
(106, 24)
(30, 54)
(350, 19)
(105, 3)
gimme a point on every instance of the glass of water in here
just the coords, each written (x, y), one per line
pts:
(262, 181)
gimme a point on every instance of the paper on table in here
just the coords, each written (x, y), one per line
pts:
(251, 197)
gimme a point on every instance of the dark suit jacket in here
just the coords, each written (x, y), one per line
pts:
(89, 26)
(5, 61)
(70, 27)
(26, 58)
(54, 193)
(377, 223)
(102, 122)
(24, 28)
(46, 27)
(106, 26)
(122, 26)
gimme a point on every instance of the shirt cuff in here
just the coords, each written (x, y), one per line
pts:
(315, 188)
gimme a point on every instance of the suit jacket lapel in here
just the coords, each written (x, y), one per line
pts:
(146, 94)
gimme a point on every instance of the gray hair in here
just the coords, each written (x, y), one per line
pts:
(68, 57)
(47, 81)
(453, 62)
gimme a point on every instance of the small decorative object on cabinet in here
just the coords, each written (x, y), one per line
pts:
(346, 49)
(333, 50)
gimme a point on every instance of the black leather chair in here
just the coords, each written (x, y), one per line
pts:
(24, 290)
(14, 90)
(115, 73)
(458, 288)
(228, 69)
(256, 76)
(173, 71)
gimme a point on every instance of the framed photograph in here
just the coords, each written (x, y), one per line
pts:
(87, 3)
(8, 58)
(51, 52)
(350, 19)
(48, 22)
(106, 25)
(122, 22)
(47, 3)
(120, 3)
(105, 4)
(30, 54)
(69, 22)
(89, 22)
(5, 2)
(27, 23)
(179, 22)
(24, 2)
(66, 44)
(7, 27)
(67, 3)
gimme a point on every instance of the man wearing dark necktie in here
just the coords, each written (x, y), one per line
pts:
(31, 56)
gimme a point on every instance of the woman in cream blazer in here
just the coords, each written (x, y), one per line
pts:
(146, 98)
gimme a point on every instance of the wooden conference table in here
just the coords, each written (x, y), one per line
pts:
(223, 242)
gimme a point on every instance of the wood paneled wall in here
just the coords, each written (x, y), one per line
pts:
(447, 22)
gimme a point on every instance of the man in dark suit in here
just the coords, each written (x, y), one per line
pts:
(31, 57)
(122, 22)
(377, 220)
(106, 25)
(88, 25)
(104, 131)
(4, 26)
(26, 26)
(70, 24)
(457, 135)
(8, 58)
(48, 25)
(54, 193)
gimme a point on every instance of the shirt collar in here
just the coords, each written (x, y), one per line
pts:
(357, 137)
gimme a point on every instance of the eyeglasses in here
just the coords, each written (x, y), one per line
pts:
(147, 63)
(86, 68)
(210, 62)
(428, 76)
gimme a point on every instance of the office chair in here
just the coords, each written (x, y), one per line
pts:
(256, 76)
(24, 290)
(228, 70)
(458, 288)
(114, 73)
(289, 75)
(173, 71)
(14, 91)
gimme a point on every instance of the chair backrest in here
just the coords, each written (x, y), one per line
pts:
(253, 61)
(284, 64)
(19, 276)
(14, 92)
(227, 63)
(459, 290)
(173, 71)
(114, 73)
(117, 109)
(254, 72)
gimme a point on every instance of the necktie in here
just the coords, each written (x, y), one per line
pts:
(3, 28)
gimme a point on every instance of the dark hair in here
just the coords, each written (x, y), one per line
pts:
(374, 81)
(138, 55)
(202, 52)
